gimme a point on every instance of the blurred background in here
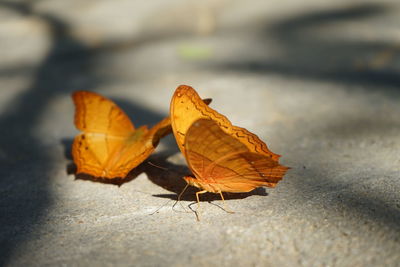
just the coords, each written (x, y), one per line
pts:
(317, 80)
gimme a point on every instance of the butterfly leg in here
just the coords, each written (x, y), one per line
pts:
(180, 195)
(197, 197)
(198, 203)
(183, 191)
(223, 201)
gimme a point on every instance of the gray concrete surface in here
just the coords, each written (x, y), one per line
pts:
(318, 81)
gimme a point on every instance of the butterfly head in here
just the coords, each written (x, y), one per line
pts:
(192, 181)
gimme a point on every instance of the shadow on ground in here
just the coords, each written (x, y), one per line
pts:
(308, 52)
(170, 177)
(26, 185)
(26, 202)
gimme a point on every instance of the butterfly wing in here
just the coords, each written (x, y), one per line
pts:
(222, 163)
(158, 131)
(109, 146)
(139, 148)
(97, 114)
(106, 156)
(187, 107)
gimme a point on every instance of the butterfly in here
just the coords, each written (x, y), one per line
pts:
(110, 146)
(221, 156)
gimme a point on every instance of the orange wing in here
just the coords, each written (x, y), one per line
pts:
(187, 107)
(221, 163)
(97, 114)
(109, 146)
(223, 157)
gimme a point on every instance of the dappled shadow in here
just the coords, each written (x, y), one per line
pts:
(26, 195)
(363, 190)
(350, 199)
(25, 161)
(308, 51)
(357, 127)
(138, 114)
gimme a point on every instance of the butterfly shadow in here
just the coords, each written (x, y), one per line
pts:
(169, 176)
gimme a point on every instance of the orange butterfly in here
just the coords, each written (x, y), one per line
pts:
(222, 157)
(110, 146)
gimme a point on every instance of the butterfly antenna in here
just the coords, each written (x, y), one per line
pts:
(180, 195)
(154, 212)
(154, 165)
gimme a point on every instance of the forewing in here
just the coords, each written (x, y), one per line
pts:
(97, 114)
(187, 107)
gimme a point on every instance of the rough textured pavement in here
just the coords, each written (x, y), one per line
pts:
(318, 81)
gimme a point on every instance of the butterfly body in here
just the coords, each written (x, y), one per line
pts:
(207, 185)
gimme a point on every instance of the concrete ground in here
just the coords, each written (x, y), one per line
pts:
(317, 80)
